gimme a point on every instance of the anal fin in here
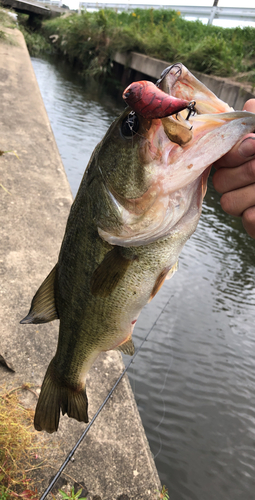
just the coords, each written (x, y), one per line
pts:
(127, 347)
(43, 308)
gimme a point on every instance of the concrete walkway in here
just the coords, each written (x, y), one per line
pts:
(114, 462)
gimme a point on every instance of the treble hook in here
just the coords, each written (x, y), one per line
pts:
(191, 109)
(167, 70)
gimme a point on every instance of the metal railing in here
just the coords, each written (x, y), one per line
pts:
(210, 13)
(58, 3)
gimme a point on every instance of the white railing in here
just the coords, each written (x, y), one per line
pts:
(58, 3)
(199, 12)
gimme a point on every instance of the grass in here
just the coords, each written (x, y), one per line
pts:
(72, 495)
(89, 41)
(163, 495)
(18, 448)
(7, 21)
(36, 42)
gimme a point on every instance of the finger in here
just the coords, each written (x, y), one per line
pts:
(228, 179)
(236, 202)
(250, 106)
(235, 157)
(242, 152)
(248, 220)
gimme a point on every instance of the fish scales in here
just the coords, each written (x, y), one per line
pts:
(139, 201)
(130, 182)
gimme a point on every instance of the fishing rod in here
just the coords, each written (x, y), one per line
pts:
(85, 432)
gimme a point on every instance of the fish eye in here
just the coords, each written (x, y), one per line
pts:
(130, 125)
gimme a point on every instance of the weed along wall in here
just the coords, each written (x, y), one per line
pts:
(132, 66)
(115, 460)
(91, 39)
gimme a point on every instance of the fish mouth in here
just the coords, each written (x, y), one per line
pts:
(199, 135)
(176, 152)
(205, 139)
(178, 177)
(178, 81)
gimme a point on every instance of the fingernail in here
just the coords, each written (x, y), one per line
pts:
(247, 147)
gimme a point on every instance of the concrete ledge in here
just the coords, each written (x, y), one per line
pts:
(232, 93)
(114, 461)
(139, 62)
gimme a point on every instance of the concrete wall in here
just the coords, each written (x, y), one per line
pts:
(133, 66)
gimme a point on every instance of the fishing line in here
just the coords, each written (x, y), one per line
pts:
(69, 456)
(164, 409)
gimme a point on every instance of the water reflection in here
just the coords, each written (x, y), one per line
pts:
(79, 115)
(194, 381)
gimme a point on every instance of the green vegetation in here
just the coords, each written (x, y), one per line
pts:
(163, 495)
(36, 43)
(89, 40)
(6, 21)
(72, 495)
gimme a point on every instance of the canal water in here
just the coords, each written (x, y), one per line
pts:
(194, 379)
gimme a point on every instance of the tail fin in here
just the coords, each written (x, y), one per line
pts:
(54, 396)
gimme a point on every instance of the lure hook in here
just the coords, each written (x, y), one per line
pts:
(191, 109)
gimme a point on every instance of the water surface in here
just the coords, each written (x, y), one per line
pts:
(194, 380)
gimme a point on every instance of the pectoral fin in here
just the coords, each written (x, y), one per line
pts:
(159, 282)
(109, 273)
(165, 274)
(43, 308)
(172, 270)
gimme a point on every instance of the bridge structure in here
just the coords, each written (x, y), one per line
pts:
(34, 8)
(210, 13)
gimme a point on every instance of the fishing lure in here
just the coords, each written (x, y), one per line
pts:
(146, 99)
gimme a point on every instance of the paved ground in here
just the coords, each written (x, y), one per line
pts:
(115, 461)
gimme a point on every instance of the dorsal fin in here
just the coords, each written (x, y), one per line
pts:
(127, 348)
(43, 308)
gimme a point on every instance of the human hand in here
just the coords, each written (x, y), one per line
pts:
(235, 179)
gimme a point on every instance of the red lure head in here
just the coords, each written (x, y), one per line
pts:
(150, 102)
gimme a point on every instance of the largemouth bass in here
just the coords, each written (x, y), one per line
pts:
(139, 201)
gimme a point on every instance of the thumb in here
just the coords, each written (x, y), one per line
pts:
(244, 150)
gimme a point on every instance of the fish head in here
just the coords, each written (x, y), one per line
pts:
(154, 170)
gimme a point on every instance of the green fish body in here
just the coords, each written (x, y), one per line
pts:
(139, 201)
